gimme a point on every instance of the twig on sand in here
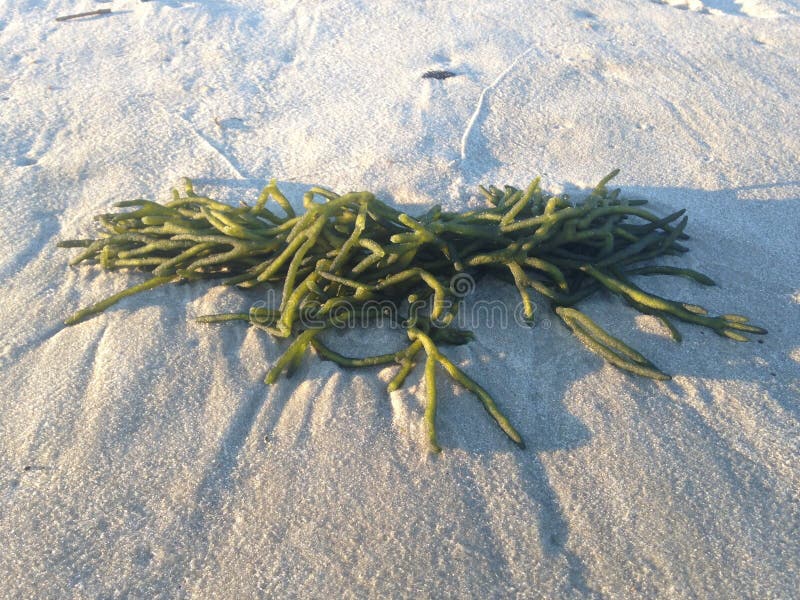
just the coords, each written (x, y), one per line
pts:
(91, 13)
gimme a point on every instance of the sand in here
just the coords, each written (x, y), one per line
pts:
(142, 456)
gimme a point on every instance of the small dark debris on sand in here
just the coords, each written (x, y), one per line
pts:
(438, 74)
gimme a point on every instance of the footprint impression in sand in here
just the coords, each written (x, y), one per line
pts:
(744, 8)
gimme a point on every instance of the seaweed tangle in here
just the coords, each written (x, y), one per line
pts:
(346, 254)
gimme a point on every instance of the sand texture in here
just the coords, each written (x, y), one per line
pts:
(141, 455)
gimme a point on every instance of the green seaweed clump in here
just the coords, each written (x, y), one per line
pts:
(346, 254)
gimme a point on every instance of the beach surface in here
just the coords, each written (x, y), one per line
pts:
(141, 454)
